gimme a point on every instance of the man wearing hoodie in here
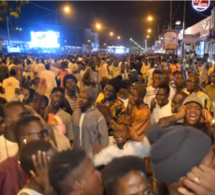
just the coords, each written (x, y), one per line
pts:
(89, 125)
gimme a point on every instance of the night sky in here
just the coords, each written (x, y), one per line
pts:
(127, 19)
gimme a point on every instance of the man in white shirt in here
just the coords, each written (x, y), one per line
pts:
(123, 147)
(150, 90)
(161, 105)
(48, 77)
(11, 87)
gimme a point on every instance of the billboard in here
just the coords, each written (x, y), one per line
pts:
(170, 40)
(45, 39)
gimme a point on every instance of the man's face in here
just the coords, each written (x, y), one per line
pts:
(123, 93)
(56, 98)
(32, 132)
(92, 182)
(70, 85)
(162, 97)
(109, 92)
(179, 81)
(134, 97)
(177, 101)
(156, 80)
(121, 134)
(192, 84)
(193, 113)
(84, 100)
(134, 183)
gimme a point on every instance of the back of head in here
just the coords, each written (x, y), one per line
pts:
(30, 149)
(188, 148)
(62, 165)
(64, 64)
(141, 90)
(118, 168)
(47, 66)
(14, 104)
(13, 72)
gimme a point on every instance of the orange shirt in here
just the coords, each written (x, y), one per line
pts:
(139, 122)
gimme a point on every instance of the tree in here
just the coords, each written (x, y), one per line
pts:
(11, 8)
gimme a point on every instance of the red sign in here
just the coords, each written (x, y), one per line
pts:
(200, 5)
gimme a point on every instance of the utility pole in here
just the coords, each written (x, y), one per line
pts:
(8, 31)
(184, 17)
(170, 27)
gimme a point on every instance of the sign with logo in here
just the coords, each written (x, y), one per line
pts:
(170, 40)
(200, 5)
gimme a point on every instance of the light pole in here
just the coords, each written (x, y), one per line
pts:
(184, 17)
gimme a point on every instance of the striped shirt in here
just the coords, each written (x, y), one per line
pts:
(74, 104)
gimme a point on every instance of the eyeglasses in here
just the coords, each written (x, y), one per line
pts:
(42, 134)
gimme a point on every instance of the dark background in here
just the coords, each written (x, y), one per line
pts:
(124, 18)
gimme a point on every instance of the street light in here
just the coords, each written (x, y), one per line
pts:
(178, 22)
(150, 18)
(66, 9)
(98, 26)
(149, 30)
(148, 36)
(111, 33)
(118, 37)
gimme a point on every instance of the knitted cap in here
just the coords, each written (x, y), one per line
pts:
(91, 92)
(69, 76)
(193, 98)
(175, 152)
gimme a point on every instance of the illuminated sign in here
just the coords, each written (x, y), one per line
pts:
(45, 39)
(200, 5)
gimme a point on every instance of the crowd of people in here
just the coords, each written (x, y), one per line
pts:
(107, 125)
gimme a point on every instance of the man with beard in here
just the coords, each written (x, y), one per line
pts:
(89, 125)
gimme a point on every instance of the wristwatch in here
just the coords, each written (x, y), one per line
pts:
(212, 122)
